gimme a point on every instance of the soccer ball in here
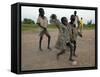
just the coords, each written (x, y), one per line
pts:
(74, 62)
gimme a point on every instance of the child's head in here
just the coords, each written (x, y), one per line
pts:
(41, 11)
(64, 20)
(72, 18)
(53, 16)
(81, 18)
(75, 12)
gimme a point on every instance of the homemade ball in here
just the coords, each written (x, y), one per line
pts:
(74, 63)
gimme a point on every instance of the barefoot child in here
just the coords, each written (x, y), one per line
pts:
(75, 33)
(64, 36)
(43, 23)
(81, 25)
(76, 21)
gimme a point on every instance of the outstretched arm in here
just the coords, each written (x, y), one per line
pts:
(54, 20)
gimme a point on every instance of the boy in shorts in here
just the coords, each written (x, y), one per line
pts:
(76, 21)
(43, 23)
(63, 42)
(74, 32)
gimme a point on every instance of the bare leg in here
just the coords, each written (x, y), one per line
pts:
(60, 53)
(74, 53)
(40, 41)
(49, 42)
(49, 38)
(71, 51)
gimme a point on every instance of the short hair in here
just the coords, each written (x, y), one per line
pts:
(63, 19)
(53, 16)
(72, 17)
(41, 9)
(75, 11)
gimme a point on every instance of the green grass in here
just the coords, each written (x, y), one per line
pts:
(35, 27)
(89, 27)
(29, 27)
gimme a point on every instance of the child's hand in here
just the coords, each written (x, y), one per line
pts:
(44, 28)
(74, 26)
(70, 44)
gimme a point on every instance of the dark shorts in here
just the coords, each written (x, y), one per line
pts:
(44, 32)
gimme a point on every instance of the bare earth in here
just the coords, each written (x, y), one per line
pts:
(33, 59)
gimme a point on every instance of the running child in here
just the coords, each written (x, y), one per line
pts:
(63, 40)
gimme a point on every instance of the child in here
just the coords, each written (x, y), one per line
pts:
(75, 33)
(63, 37)
(76, 21)
(81, 25)
(43, 23)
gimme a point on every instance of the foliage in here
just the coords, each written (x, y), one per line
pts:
(28, 21)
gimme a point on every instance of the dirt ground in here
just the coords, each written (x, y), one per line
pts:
(33, 59)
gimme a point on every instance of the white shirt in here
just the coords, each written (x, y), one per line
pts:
(76, 21)
(42, 21)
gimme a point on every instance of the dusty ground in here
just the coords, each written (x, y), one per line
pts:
(33, 59)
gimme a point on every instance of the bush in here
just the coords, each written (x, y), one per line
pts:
(28, 21)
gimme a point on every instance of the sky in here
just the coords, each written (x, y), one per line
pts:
(32, 13)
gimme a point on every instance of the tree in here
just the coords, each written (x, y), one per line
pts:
(28, 21)
(89, 22)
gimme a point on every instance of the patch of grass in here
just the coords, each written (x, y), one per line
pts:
(89, 27)
(35, 27)
(29, 27)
